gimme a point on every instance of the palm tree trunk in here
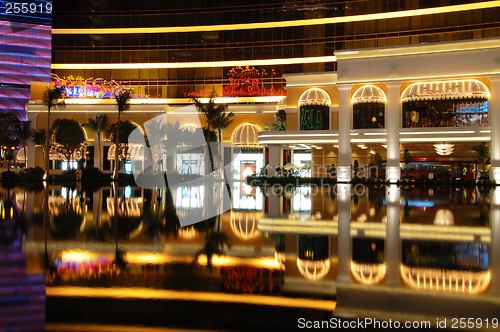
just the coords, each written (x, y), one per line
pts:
(47, 154)
(117, 140)
(99, 149)
(24, 147)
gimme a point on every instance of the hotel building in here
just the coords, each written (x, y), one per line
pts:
(360, 77)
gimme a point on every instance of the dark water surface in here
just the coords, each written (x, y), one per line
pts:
(106, 256)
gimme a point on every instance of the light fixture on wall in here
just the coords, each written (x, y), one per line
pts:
(444, 149)
(362, 146)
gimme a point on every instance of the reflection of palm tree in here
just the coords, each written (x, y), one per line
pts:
(214, 245)
(67, 223)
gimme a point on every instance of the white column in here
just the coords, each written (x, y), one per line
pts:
(392, 241)
(392, 125)
(494, 263)
(275, 159)
(345, 115)
(494, 122)
(344, 233)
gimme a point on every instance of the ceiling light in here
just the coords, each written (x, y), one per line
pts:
(444, 149)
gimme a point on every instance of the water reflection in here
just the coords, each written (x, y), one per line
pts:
(311, 240)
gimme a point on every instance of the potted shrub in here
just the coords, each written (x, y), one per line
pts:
(380, 165)
(483, 159)
(407, 159)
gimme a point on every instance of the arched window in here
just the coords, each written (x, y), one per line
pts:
(369, 107)
(314, 105)
(459, 103)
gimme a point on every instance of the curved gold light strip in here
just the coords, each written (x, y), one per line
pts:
(315, 96)
(368, 274)
(452, 281)
(244, 224)
(283, 24)
(313, 270)
(445, 90)
(204, 64)
(246, 134)
(369, 94)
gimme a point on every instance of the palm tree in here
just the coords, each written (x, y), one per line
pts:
(217, 115)
(24, 132)
(123, 104)
(53, 97)
(98, 125)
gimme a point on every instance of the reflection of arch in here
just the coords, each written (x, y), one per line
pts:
(129, 207)
(188, 233)
(281, 104)
(452, 281)
(189, 127)
(369, 94)
(244, 223)
(368, 274)
(445, 90)
(315, 96)
(246, 135)
(444, 217)
(313, 270)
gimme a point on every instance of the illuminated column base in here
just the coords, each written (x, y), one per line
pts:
(275, 159)
(344, 173)
(392, 174)
(495, 174)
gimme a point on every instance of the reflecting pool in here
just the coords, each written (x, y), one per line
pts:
(350, 250)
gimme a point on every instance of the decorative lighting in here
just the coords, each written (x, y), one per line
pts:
(452, 281)
(444, 218)
(445, 90)
(362, 146)
(372, 152)
(368, 274)
(313, 270)
(246, 135)
(444, 149)
(315, 96)
(384, 146)
(369, 94)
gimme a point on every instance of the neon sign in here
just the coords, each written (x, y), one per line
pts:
(78, 87)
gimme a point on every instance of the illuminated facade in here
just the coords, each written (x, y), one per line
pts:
(25, 52)
(177, 49)
(360, 78)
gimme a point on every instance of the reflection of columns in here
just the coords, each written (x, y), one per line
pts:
(494, 122)
(29, 203)
(392, 125)
(275, 202)
(344, 233)
(392, 242)
(494, 263)
(345, 114)
(275, 159)
(30, 154)
(97, 206)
